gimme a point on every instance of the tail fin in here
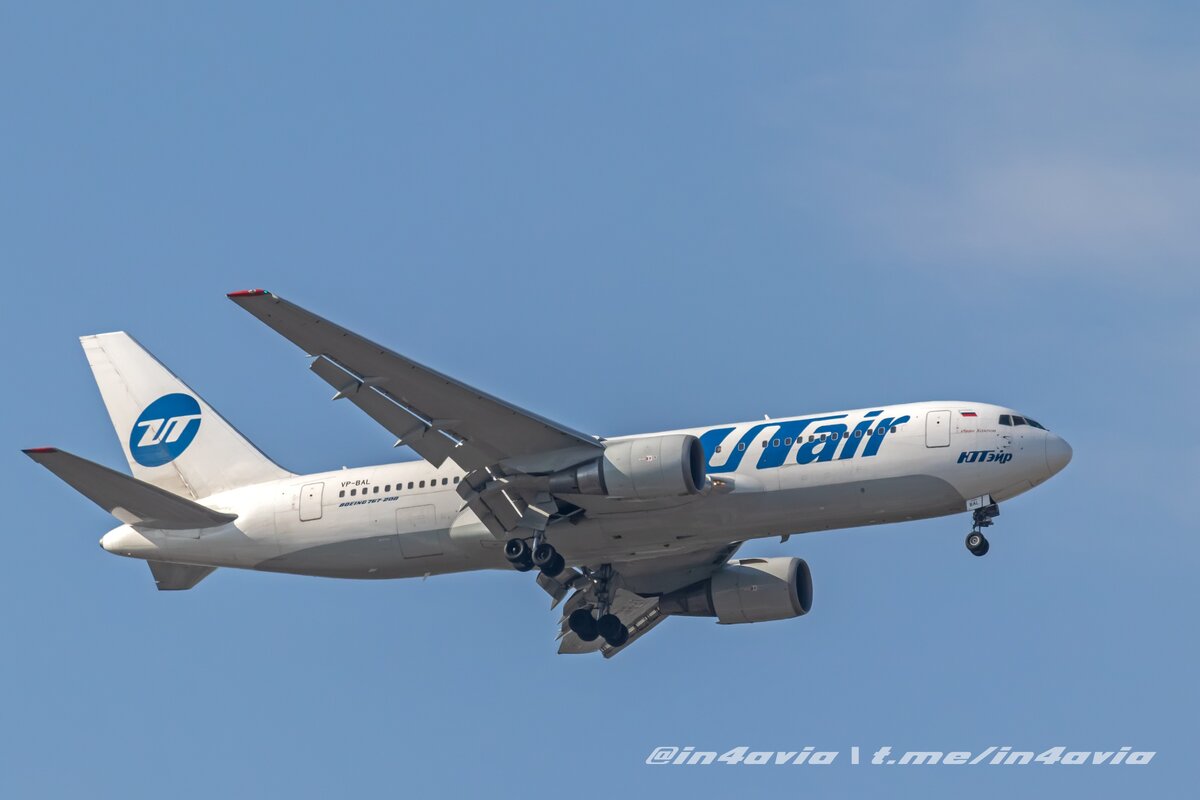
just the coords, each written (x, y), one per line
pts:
(171, 437)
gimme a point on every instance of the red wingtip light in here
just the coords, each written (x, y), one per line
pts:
(41, 450)
(248, 293)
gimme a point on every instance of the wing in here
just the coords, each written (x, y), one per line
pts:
(438, 417)
(434, 414)
(635, 601)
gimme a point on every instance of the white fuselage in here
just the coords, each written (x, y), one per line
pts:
(768, 478)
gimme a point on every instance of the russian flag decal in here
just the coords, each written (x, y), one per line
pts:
(968, 413)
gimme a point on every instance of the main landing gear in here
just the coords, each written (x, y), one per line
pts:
(542, 555)
(586, 626)
(584, 623)
(590, 622)
(976, 542)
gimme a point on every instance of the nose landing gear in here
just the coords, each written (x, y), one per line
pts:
(977, 543)
(984, 511)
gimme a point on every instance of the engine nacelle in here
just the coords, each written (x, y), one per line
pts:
(747, 590)
(645, 468)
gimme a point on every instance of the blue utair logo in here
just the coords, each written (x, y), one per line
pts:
(984, 456)
(826, 442)
(164, 430)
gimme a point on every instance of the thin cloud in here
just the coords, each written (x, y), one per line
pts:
(1046, 212)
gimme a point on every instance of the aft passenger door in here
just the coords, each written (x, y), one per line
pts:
(937, 429)
(310, 501)
(418, 537)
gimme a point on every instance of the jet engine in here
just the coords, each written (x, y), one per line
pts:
(746, 590)
(643, 468)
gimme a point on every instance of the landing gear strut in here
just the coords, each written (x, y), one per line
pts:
(976, 542)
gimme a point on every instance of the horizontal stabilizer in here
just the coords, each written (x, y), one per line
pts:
(177, 576)
(132, 501)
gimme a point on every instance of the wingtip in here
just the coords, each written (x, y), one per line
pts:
(30, 451)
(247, 293)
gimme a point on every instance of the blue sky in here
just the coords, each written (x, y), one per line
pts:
(626, 218)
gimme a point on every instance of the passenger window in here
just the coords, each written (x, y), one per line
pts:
(445, 481)
(376, 490)
(812, 437)
(718, 448)
(342, 493)
(893, 429)
(353, 492)
(775, 443)
(787, 442)
(422, 484)
(764, 442)
(858, 434)
(823, 435)
(387, 488)
(456, 479)
(410, 484)
(741, 446)
(834, 436)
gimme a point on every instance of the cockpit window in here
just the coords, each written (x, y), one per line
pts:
(1013, 419)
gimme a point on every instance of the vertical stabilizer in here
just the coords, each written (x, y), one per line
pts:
(171, 437)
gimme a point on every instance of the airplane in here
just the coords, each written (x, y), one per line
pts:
(629, 530)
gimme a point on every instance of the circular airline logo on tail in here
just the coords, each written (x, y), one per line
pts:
(164, 430)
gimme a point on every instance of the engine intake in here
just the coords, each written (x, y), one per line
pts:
(747, 590)
(645, 468)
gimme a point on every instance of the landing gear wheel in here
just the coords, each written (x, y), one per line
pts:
(516, 550)
(517, 553)
(614, 632)
(543, 554)
(547, 559)
(977, 543)
(583, 624)
(556, 566)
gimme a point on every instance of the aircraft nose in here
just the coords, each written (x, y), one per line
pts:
(1058, 453)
